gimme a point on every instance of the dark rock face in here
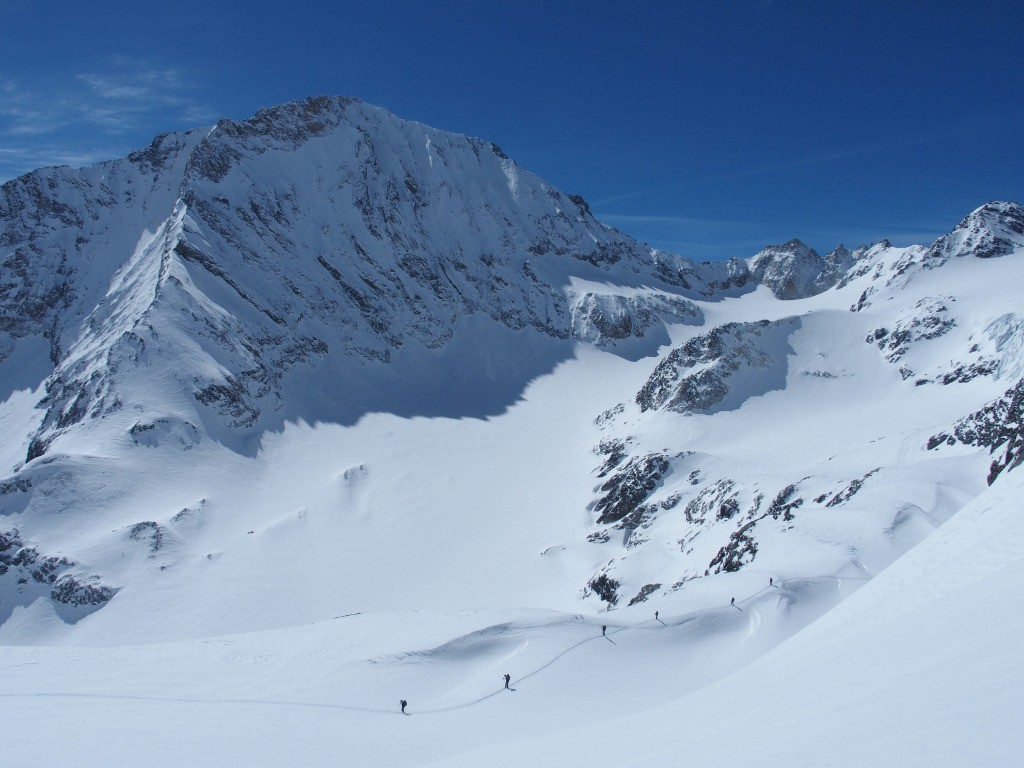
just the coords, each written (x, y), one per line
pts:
(604, 319)
(929, 319)
(398, 265)
(724, 279)
(627, 490)
(12, 552)
(964, 372)
(999, 426)
(794, 271)
(30, 574)
(645, 591)
(605, 587)
(718, 501)
(41, 568)
(178, 432)
(614, 451)
(153, 534)
(932, 318)
(72, 590)
(696, 377)
(837, 265)
(36, 278)
(849, 491)
(741, 550)
(783, 504)
(56, 223)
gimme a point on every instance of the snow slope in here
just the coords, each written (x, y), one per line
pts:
(919, 668)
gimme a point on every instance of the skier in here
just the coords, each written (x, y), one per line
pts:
(403, 702)
(508, 679)
(732, 601)
(656, 616)
(604, 628)
(771, 581)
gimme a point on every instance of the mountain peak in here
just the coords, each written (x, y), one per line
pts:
(796, 245)
(992, 230)
(790, 270)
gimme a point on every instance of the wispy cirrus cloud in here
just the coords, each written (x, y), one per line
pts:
(85, 117)
(697, 238)
(762, 170)
(966, 127)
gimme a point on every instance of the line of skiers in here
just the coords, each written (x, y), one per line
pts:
(604, 633)
(508, 687)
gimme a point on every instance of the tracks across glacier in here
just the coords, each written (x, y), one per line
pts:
(781, 588)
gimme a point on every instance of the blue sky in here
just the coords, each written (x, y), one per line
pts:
(706, 128)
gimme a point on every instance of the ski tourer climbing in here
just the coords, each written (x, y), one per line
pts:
(732, 601)
(604, 629)
(656, 616)
(508, 679)
(403, 702)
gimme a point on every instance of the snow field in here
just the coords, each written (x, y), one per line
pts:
(240, 694)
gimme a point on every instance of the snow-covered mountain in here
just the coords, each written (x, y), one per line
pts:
(329, 376)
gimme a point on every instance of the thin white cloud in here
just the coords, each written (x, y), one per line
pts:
(673, 221)
(109, 88)
(964, 128)
(696, 238)
(747, 172)
(93, 115)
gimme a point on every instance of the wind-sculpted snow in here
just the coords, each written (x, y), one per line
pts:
(721, 369)
(1006, 334)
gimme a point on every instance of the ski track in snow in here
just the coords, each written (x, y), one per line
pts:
(667, 621)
